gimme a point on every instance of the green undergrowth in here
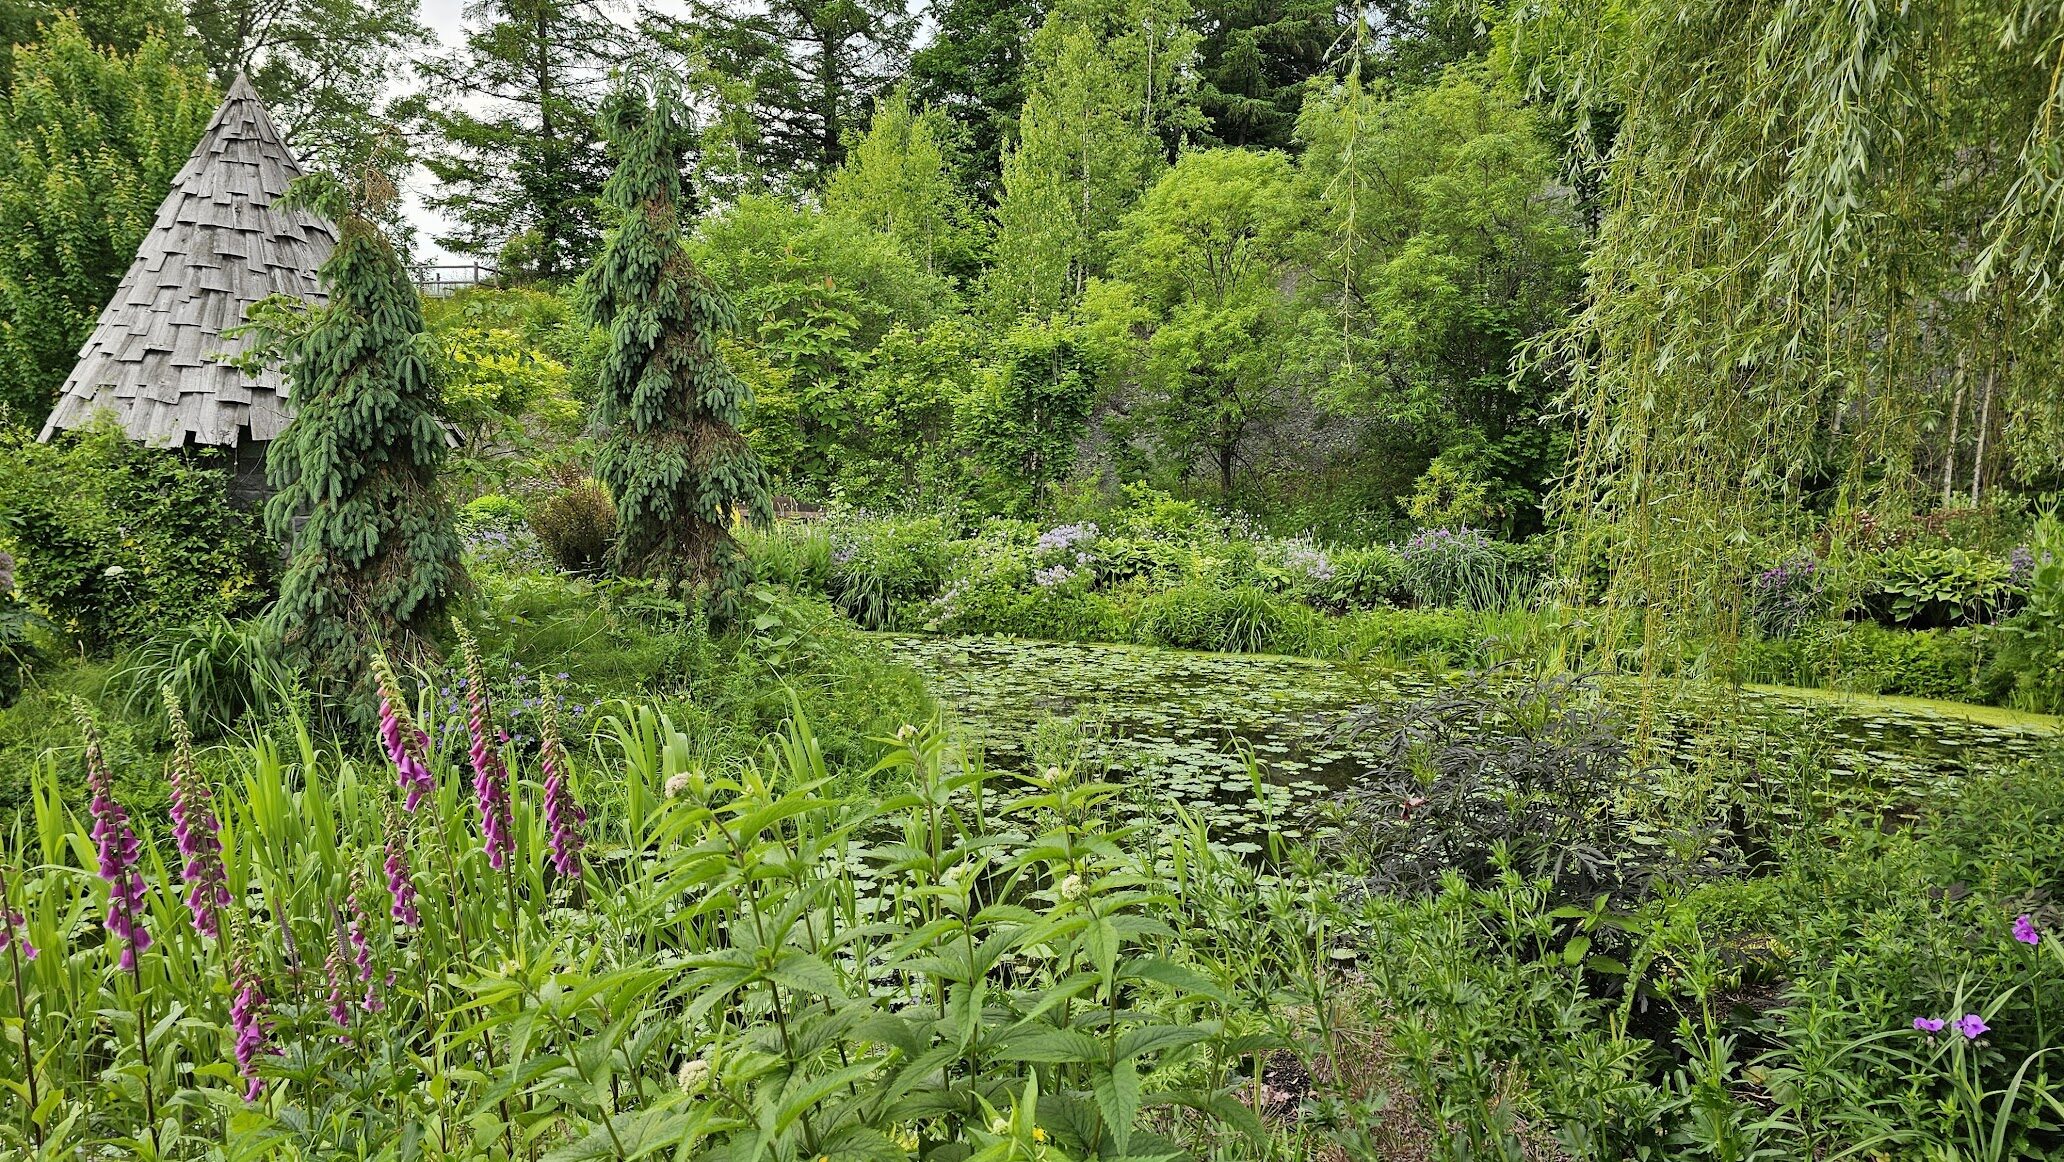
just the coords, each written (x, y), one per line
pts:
(595, 643)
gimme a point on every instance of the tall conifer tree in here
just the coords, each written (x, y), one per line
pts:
(671, 455)
(374, 556)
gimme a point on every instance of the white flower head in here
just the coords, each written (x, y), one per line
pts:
(679, 784)
(693, 1075)
(1071, 888)
(1053, 773)
(113, 571)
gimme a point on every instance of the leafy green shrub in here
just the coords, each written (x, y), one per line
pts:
(495, 532)
(1534, 777)
(1244, 619)
(1869, 659)
(576, 524)
(790, 554)
(1366, 578)
(1928, 588)
(2028, 671)
(114, 541)
(991, 602)
(17, 650)
(880, 568)
(1464, 567)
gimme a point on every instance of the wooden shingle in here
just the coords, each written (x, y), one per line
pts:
(216, 246)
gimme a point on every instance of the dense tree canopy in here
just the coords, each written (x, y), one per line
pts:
(518, 156)
(1453, 255)
(89, 142)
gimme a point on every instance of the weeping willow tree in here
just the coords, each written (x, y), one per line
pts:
(1821, 286)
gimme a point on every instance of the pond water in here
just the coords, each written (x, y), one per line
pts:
(1181, 723)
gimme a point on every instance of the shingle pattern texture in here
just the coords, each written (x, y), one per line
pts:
(218, 245)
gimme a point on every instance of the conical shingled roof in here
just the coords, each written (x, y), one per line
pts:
(218, 246)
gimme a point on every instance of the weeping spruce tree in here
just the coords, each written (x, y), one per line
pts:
(669, 408)
(373, 553)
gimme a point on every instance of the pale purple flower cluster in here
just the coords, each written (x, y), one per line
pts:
(1049, 577)
(120, 852)
(1308, 559)
(1444, 540)
(1066, 536)
(2021, 565)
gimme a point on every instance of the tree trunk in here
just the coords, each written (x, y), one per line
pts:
(1984, 426)
(1949, 453)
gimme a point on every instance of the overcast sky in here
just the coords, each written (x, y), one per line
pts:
(445, 19)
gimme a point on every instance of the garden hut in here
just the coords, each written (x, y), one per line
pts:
(157, 357)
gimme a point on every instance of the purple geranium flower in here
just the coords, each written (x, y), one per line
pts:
(1971, 1025)
(2024, 930)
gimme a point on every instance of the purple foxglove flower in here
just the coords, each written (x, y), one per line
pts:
(490, 777)
(1928, 1024)
(337, 974)
(356, 922)
(564, 818)
(119, 852)
(14, 933)
(399, 885)
(195, 829)
(1972, 1026)
(247, 1026)
(401, 737)
(2024, 930)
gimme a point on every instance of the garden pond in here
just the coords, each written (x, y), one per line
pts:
(1179, 725)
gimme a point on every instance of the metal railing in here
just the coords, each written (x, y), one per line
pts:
(437, 281)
